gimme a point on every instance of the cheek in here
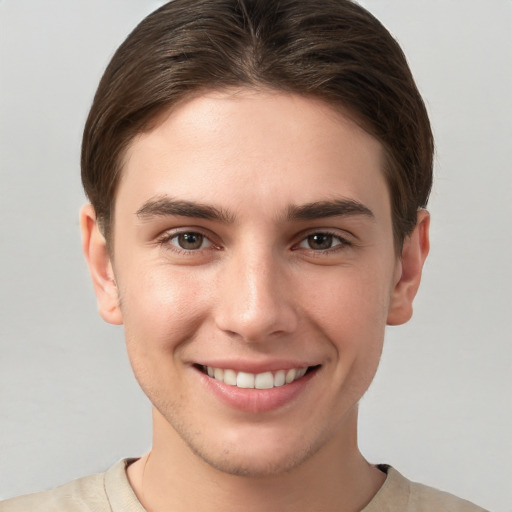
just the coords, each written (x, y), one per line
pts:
(352, 299)
(161, 309)
(162, 312)
(350, 310)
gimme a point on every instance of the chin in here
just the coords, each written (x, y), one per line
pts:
(254, 465)
(256, 452)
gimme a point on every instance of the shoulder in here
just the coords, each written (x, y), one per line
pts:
(424, 499)
(101, 492)
(84, 494)
(399, 493)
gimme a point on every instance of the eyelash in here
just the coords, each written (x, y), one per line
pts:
(166, 240)
(343, 243)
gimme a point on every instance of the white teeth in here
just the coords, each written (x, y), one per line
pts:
(290, 375)
(230, 377)
(301, 373)
(245, 380)
(265, 380)
(279, 378)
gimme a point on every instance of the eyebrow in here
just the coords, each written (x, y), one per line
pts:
(166, 206)
(322, 209)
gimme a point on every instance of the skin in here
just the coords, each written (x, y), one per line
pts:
(257, 289)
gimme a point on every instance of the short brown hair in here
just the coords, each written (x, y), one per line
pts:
(330, 49)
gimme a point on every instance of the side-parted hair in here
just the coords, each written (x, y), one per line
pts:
(329, 49)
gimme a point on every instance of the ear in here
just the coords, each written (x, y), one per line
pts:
(409, 267)
(95, 251)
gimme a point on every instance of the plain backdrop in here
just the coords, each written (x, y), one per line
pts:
(440, 409)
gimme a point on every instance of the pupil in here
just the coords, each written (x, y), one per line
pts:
(190, 240)
(320, 241)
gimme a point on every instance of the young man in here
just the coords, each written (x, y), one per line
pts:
(258, 173)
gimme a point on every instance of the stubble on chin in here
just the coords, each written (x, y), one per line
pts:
(236, 460)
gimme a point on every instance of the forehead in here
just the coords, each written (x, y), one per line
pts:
(234, 147)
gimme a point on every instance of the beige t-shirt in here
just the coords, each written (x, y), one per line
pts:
(111, 492)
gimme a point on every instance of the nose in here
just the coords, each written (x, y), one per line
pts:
(254, 299)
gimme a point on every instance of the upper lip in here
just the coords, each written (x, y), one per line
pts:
(256, 367)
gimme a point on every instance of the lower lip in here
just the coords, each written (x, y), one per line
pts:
(256, 400)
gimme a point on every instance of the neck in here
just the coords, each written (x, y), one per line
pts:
(335, 478)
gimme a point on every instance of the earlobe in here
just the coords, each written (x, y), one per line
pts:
(414, 253)
(95, 251)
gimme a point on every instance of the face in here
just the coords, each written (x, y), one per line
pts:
(255, 267)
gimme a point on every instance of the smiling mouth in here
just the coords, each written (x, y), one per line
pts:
(264, 380)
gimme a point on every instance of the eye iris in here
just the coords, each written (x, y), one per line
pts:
(190, 240)
(320, 241)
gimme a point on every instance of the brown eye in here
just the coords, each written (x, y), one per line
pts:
(321, 242)
(189, 241)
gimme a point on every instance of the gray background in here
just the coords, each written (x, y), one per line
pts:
(440, 409)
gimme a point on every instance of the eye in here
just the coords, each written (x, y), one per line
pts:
(189, 241)
(322, 242)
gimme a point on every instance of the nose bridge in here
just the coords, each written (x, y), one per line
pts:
(253, 301)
